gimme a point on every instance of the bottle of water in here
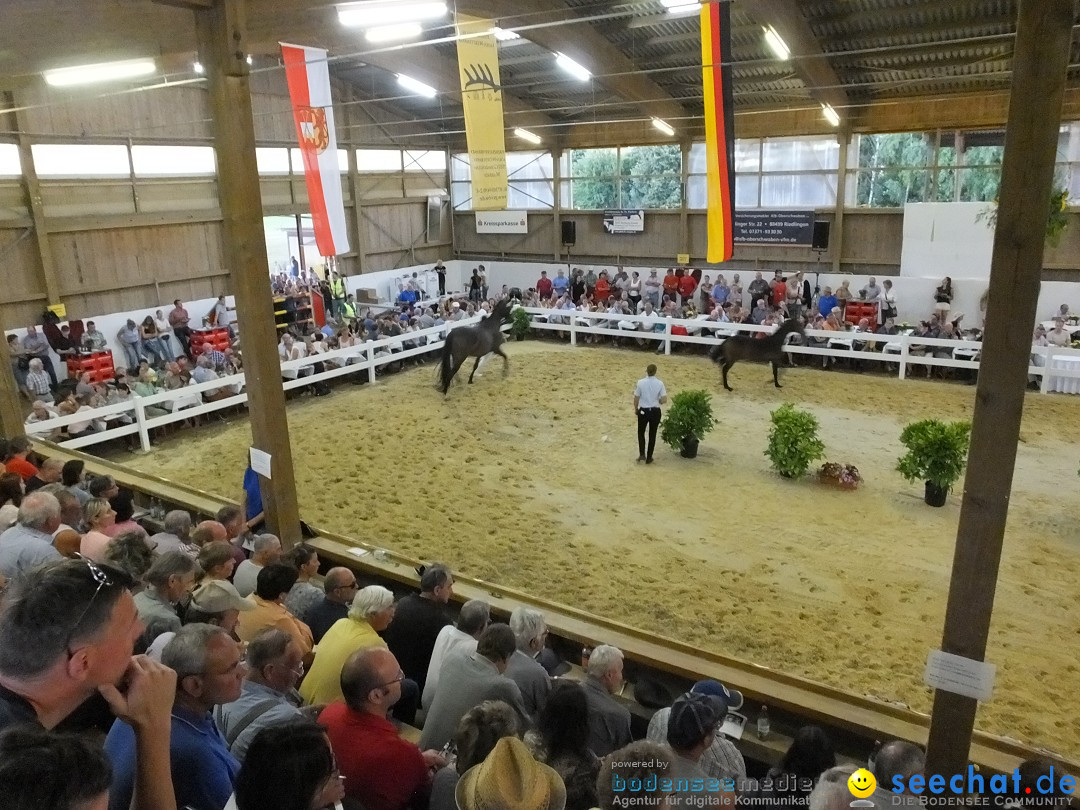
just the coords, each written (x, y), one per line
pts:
(763, 723)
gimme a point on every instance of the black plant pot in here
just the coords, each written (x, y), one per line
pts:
(935, 495)
(689, 447)
(519, 337)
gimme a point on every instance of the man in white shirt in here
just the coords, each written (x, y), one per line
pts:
(455, 639)
(649, 395)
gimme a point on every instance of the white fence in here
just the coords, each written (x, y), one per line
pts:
(1057, 369)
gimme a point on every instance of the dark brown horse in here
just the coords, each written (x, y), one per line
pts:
(748, 347)
(474, 341)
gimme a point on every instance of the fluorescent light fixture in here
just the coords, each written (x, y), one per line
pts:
(389, 33)
(776, 43)
(503, 35)
(198, 68)
(418, 87)
(249, 60)
(664, 127)
(830, 114)
(388, 12)
(103, 72)
(579, 72)
(525, 135)
(680, 6)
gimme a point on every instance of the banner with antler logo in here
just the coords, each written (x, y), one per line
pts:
(309, 88)
(481, 95)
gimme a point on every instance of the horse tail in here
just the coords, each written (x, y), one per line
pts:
(446, 365)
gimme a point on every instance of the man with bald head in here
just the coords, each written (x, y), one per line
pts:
(49, 472)
(339, 587)
(381, 769)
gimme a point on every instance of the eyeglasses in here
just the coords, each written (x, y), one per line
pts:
(102, 580)
(353, 584)
(400, 677)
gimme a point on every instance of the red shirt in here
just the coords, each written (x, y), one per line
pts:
(779, 292)
(21, 466)
(671, 283)
(602, 289)
(543, 286)
(687, 285)
(381, 770)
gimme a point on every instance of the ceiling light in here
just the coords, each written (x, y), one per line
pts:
(525, 135)
(579, 72)
(503, 35)
(249, 60)
(776, 43)
(388, 33)
(680, 6)
(418, 87)
(388, 12)
(664, 127)
(830, 114)
(198, 68)
(103, 72)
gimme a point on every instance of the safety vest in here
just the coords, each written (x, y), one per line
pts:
(348, 310)
(337, 286)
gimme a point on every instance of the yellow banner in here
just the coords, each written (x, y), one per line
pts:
(481, 95)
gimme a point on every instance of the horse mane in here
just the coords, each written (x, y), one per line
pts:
(789, 326)
(501, 311)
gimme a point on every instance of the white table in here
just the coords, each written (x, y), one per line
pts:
(1065, 385)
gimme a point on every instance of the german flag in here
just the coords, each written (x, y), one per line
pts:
(719, 126)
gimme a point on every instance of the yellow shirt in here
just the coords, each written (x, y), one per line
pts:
(271, 614)
(323, 681)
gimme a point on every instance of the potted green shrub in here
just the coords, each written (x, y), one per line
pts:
(793, 441)
(936, 454)
(519, 323)
(687, 421)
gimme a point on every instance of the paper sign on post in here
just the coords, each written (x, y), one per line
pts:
(260, 462)
(682, 258)
(959, 675)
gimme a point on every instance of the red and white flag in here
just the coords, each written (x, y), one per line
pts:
(309, 88)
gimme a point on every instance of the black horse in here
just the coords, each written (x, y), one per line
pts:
(747, 347)
(474, 341)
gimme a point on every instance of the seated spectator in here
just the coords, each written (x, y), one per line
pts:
(177, 534)
(215, 556)
(897, 758)
(170, 578)
(419, 618)
(40, 411)
(806, 759)
(476, 735)
(102, 486)
(530, 632)
(123, 504)
(274, 665)
(561, 740)
(92, 338)
(66, 540)
(71, 476)
(48, 473)
(468, 680)
(1059, 335)
(691, 728)
(18, 448)
(29, 542)
(339, 588)
(382, 771)
(722, 759)
(128, 552)
(216, 602)
(510, 778)
(40, 769)
(267, 551)
(12, 491)
(209, 671)
(609, 720)
(303, 595)
(826, 302)
(832, 792)
(472, 620)
(291, 766)
(274, 583)
(628, 765)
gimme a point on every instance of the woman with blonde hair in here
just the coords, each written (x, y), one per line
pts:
(99, 518)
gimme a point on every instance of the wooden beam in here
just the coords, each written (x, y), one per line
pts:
(11, 406)
(1044, 33)
(221, 36)
(191, 5)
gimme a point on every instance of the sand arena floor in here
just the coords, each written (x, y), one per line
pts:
(531, 482)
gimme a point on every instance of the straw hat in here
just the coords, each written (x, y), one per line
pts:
(510, 779)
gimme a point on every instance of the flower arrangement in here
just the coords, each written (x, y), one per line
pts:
(1056, 219)
(845, 476)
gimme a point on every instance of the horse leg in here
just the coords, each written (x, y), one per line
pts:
(476, 365)
(506, 360)
(724, 370)
(775, 372)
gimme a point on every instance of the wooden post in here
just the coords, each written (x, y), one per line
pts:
(1040, 58)
(35, 203)
(11, 408)
(221, 36)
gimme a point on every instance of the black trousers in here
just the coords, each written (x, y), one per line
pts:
(647, 417)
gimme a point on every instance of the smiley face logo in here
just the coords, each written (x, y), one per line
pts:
(861, 783)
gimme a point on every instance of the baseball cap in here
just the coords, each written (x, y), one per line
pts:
(219, 595)
(733, 699)
(693, 716)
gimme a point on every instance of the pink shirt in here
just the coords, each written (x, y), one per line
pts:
(92, 546)
(125, 526)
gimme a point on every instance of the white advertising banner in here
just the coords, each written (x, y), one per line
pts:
(502, 222)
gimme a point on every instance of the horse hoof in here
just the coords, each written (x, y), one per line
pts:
(728, 388)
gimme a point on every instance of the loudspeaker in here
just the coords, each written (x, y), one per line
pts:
(821, 235)
(569, 232)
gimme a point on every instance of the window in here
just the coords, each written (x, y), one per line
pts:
(80, 160)
(378, 160)
(431, 161)
(298, 161)
(173, 160)
(1067, 174)
(626, 177)
(529, 178)
(9, 160)
(272, 159)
